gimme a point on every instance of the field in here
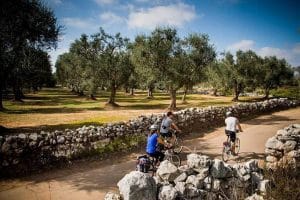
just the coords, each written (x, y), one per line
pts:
(58, 108)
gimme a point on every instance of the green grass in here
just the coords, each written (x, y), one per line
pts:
(288, 92)
(58, 108)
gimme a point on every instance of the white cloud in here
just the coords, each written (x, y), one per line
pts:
(142, 1)
(172, 15)
(111, 18)
(77, 22)
(271, 51)
(56, 2)
(290, 54)
(103, 2)
(296, 48)
(241, 45)
(55, 53)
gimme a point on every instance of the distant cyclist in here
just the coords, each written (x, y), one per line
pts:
(232, 125)
(152, 144)
(167, 125)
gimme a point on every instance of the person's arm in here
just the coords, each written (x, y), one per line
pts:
(174, 126)
(160, 141)
(239, 126)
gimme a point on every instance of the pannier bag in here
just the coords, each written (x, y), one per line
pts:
(143, 164)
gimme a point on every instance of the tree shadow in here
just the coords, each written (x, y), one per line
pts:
(143, 106)
(246, 156)
(31, 129)
(45, 111)
(268, 120)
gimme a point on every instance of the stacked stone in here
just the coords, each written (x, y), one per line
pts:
(22, 152)
(284, 148)
(201, 178)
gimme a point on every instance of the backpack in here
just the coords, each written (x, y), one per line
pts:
(143, 164)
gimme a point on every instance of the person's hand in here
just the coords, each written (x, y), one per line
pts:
(168, 145)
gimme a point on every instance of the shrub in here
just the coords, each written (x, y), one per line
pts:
(286, 183)
(292, 92)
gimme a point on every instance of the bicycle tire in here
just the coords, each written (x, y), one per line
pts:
(152, 168)
(186, 149)
(177, 146)
(237, 145)
(225, 155)
(174, 159)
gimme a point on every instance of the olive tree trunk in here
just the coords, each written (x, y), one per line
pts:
(184, 95)
(112, 97)
(172, 105)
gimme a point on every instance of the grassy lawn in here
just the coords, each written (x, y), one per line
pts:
(58, 108)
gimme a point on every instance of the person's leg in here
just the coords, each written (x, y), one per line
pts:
(161, 156)
(233, 138)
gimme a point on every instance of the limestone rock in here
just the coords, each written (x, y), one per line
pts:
(256, 177)
(181, 188)
(263, 186)
(186, 169)
(273, 143)
(112, 196)
(61, 140)
(167, 171)
(192, 192)
(220, 169)
(22, 136)
(255, 197)
(33, 136)
(5, 148)
(137, 185)
(294, 154)
(198, 162)
(216, 185)
(181, 178)
(202, 174)
(252, 166)
(289, 146)
(271, 159)
(167, 192)
(194, 181)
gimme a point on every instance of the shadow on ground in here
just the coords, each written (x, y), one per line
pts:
(269, 120)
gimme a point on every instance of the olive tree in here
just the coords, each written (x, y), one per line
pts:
(23, 24)
(274, 73)
(200, 53)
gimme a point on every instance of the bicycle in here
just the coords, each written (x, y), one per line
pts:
(227, 148)
(173, 157)
(176, 143)
(149, 164)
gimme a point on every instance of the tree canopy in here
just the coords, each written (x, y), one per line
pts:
(27, 28)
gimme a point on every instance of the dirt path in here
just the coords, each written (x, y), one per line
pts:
(93, 180)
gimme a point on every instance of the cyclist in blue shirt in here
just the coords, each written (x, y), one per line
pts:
(152, 143)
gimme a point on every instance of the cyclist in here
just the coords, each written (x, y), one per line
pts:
(152, 144)
(232, 125)
(167, 125)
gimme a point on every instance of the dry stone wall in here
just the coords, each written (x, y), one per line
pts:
(31, 151)
(284, 148)
(201, 178)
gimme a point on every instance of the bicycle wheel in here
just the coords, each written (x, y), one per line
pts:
(175, 159)
(152, 169)
(225, 154)
(237, 145)
(177, 146)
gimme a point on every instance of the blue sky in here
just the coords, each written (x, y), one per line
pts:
(269, 27)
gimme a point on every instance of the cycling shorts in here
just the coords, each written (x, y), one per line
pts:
(231, 135)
